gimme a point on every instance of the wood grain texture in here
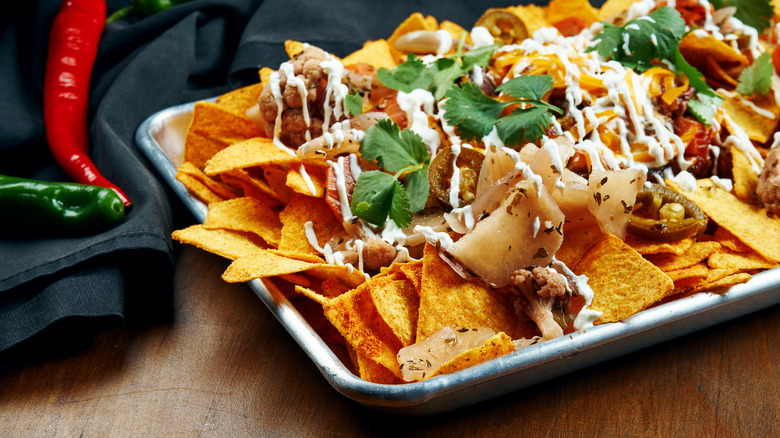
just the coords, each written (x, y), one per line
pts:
(226, 367)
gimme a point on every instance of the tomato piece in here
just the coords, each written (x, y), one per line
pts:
(571, 26)
(776, 59)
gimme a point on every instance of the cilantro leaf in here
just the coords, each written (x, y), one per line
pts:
(378, 194)
(438, 76)
(754, 13)
(695, 77)
(417, 188)
(757, 78)
(374, 195)
(523, 125)
(392, 149)
(410, 75)
(354, 104)
(641, 41)
(474, 113)
(532, 87)
(702, 107)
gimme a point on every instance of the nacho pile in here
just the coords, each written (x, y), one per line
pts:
(451, 194)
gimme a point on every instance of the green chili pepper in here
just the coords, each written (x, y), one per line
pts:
(143, 7)
(662, 215)
(57, 208)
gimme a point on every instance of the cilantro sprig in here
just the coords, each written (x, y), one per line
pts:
(475, 114)
(757, 78)
(643, 40)
(437, 76)
(379, 194)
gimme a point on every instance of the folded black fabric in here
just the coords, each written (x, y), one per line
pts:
(56, 289)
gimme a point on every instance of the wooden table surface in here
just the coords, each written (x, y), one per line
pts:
(225, 367)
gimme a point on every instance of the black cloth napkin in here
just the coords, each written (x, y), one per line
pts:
(56, 294)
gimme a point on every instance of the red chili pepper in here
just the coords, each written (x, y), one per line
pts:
(73, 42)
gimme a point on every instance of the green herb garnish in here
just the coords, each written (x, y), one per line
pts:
(437, 77)
(475, 114)
(757, 78)
(379, 194)
(354, 104)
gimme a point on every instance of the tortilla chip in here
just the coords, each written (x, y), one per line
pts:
(241, 99)
(229, 244)
(559, 10)
(730, 241)
(377, 54)
(759, 126)
(293, 48)
(696, 49)
(742, 262)
(312, 295)
(276, 177)
(534, 17)
(307, 180)
(576, 243)
(611, 8)
(342, 273)
(248, 215)
(691, 273)
(198, 189)
(257, 151)
(748, 223)
(498, 345)
(297, 213)
(696, 253)
(447, 299)
(703, 284)
(397, 302)
(263, 264)
(252, 186)
(623, 282)
(357, 319)
(745, 177)
(722, 285)
(212, 129)
(371, 371)
(645, 247)
(219, 188)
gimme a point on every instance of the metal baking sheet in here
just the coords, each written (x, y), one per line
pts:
(161, 138)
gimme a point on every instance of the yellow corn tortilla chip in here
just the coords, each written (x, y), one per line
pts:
(248, 215)
(623, 282)
(577, 242)
(357, 319)
(645, 247)
(748, 223)
(293, 48)
(696, 253)
(240, 99)
(447, 299)
(252, 186)
(229, 244)
(221, 189)
(263, 264)
(371, 371)
(307, 180)
(498, 345)
(312, 295)
(374, 53)
(276, 177)
(743, 262)
(341, 273)
(213, 128)
(696, 49)
(745, 177)
(558, 10)
(297, 213)
(397, 302)
(611, 8)
(730, 241)
(257, 151)
(198, 189)
(759, 126)
(695, 272)
(724, 283)
(534, 17)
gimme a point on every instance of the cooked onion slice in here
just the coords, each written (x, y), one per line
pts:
(419, 360)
